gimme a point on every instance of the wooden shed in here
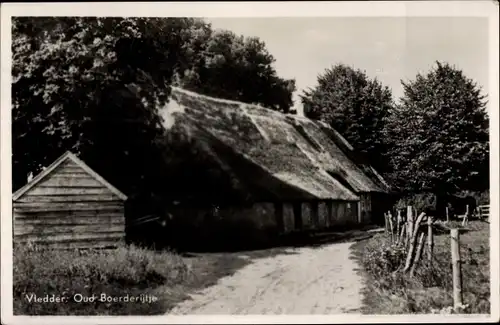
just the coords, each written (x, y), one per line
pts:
(68, 205)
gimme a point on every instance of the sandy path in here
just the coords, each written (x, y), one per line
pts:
(307, 281)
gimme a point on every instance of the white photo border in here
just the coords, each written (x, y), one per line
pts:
(488, 9)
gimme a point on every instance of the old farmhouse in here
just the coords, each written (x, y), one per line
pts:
(244, 168)
(232, 173)
(68, 205)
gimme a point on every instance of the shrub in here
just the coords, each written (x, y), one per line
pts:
(126, 270)
(390, 291)
(418, 201)
(383, 259)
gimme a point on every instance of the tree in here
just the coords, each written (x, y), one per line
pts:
(439, 134)
(237, 68)
(355, 106)
(93, 86)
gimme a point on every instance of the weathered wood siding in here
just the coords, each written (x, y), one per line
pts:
(69, 209)
(307, 217)
(342, 213)
(319, 215)
(366, 207)
(289, 221)
(323, 215)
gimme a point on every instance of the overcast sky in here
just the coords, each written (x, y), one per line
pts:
(390, 48)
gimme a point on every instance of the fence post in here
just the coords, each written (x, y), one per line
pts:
(466, 217)
(398, 222)
(457, 272)
(409, 225)
(447, 216)
(430, 238)
(402, 238)
(389, 215)
(413, 239)
(418, 254)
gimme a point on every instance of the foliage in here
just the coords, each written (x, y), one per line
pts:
(387, 258)
(481, 197)
(238, 68)
(355, 106)
(438, 134)
(125, 271)
(94, 86)
(390, 291)
(419, 201)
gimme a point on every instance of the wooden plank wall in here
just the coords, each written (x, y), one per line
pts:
(323, 215)
(329, 214)
(366, 207)
(69, 209)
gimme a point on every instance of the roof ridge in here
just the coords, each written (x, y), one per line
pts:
(240, 103)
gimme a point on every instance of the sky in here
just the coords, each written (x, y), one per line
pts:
(388, 48)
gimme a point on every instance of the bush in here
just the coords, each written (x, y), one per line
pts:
(418, 201)
(384, 259)
(390, 291)
(480, 197)
(421, 201)
(119, 272)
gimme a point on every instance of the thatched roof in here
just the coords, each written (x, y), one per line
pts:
(269, 153)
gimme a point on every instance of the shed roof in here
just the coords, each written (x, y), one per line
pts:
(63, 158)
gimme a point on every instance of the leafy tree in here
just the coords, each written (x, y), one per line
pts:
(238, 68)
(92, 85)
(439, 134)
(356, 106)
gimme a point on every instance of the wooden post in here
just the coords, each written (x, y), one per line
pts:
(447, 216)
(389, 215)
(430, 239)
(385, 222)
(402, 234)
(418, 254)
(466, 217)
(457, 272)
(398, 223)
(413, 240)
(409, 225)
(360, 220)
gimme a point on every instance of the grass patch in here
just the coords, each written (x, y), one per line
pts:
(125, 271)
(389, 291)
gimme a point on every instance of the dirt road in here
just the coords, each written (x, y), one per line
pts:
(319, 280)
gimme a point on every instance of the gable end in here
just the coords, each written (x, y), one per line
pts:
(71, 162)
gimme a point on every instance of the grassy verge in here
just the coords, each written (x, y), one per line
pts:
(389, 291)
(163, 276)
